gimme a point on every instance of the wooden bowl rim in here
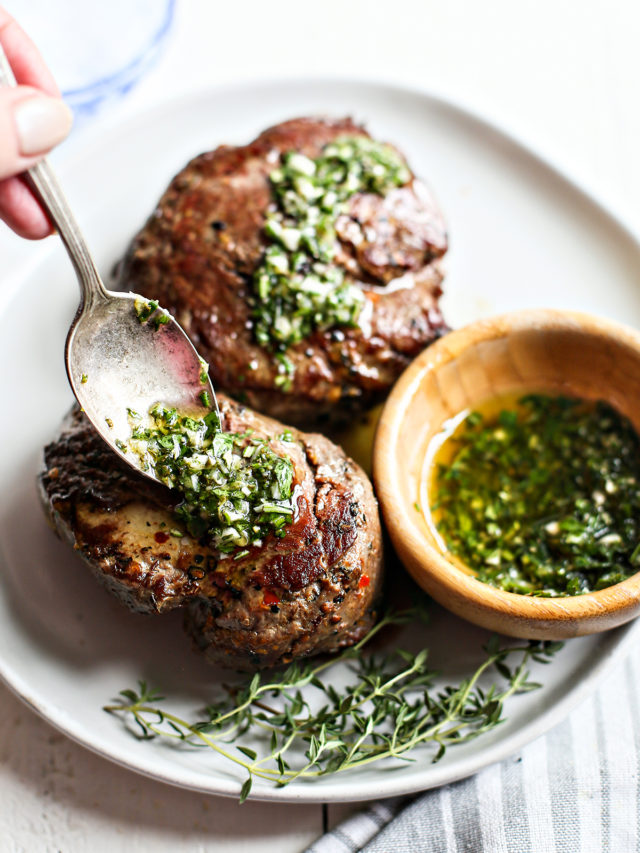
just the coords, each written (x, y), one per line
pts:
(386, 474)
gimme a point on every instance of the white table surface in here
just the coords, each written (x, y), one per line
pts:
(563, 76)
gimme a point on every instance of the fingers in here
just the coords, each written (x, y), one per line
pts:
(33, 120)
(30, 125)
(21, 212)
(28, 66)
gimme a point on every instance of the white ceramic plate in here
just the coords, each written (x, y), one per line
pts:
(521, 236)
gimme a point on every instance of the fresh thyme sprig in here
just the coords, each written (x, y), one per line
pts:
(389, 707)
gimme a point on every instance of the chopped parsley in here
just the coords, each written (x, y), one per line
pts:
(543, 499)
(204, 371)
(235, 488)
(83, 378)
(286, 371)
(298, 287)
(150, 311)
(160, 318)
(144, 308)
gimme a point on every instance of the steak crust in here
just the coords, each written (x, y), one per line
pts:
(199, 249)
(312, 591)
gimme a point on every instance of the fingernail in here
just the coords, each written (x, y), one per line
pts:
(41, 123)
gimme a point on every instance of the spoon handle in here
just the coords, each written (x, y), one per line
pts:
(44, 184)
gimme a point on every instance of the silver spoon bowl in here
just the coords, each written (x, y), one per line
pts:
(115, 362)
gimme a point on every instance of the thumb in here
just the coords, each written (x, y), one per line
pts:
(31, 124)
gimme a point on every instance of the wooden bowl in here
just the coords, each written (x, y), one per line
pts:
(549, 351)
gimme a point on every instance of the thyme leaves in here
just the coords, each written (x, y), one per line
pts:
(301, 726)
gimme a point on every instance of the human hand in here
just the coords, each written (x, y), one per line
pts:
(33, 119)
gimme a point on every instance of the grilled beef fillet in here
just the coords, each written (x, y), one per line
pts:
(201, 246)
(312, 591)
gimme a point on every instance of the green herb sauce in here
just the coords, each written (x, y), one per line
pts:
(235, 488)
(542, 499)
(150, 311)
(298, 288)
(204, 371)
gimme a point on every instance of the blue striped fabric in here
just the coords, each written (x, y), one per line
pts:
(574, 790)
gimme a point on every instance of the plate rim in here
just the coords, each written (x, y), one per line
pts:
(616, 642)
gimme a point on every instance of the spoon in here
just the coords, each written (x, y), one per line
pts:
(114, 361)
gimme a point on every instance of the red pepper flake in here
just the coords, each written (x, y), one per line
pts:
(269, 597)
(364, 581)
(161, 537)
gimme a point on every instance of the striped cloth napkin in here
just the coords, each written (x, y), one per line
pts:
(574, 790)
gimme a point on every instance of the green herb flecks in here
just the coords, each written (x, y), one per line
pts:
(150, 311)
(286, 371)
(236, 489)
(390, 707)
(298, 288)
(160, 318)
(144, 308)
(83, 379)
(545, 499)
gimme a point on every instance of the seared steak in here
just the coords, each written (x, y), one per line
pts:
(199, 250)
(312, 591)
